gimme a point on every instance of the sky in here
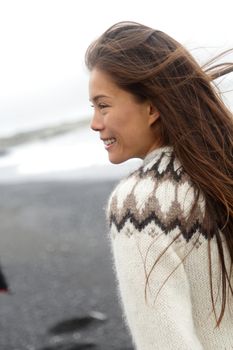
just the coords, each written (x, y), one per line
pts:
(43, 79)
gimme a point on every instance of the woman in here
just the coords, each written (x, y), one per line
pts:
(171, 220)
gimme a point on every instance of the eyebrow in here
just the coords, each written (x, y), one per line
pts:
(95, 98)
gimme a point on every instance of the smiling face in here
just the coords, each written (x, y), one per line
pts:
(125, 125)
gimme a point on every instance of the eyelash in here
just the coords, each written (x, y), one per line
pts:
(100, 106)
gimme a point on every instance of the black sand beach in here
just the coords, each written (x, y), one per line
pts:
(56, 255)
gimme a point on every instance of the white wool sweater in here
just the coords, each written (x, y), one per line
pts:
(146, 212)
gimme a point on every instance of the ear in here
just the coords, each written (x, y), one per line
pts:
(154, 114)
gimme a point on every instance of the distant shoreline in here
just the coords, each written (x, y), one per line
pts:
(39, 134)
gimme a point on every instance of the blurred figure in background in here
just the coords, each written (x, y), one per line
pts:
(3, 282)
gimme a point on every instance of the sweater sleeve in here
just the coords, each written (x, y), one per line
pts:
(163, 320)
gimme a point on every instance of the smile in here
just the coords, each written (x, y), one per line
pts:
(108, 142)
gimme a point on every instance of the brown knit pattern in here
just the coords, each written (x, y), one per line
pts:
(159, 192)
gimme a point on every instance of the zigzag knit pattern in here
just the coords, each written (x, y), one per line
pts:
(159, 192)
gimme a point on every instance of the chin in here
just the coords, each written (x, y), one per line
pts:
(118, 160)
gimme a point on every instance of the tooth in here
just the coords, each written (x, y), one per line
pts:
(109, 141)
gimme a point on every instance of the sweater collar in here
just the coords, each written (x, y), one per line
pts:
(156, 153)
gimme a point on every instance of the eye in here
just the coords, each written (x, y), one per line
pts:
(102, 106)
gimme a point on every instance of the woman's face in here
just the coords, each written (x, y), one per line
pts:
(123, 123)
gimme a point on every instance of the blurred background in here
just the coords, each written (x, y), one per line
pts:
(44, 82)
(54, 172)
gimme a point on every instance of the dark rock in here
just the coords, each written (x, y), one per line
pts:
(75, 324)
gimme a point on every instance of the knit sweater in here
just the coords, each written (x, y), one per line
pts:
(160, 255)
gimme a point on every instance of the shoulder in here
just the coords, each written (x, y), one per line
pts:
(159, 192)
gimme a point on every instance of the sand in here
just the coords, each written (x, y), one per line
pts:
(55, 252)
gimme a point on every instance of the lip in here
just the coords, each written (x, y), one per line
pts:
(107, 147)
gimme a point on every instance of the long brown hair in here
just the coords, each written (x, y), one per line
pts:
(152, 65)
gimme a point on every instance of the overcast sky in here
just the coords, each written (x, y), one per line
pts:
(42, 43)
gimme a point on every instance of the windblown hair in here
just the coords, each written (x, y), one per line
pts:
(193, 118)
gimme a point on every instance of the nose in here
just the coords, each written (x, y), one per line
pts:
(97, 122)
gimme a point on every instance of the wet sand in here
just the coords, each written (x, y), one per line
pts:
(55, 252)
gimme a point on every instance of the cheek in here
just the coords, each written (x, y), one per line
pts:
(116, 120)
(127, 121)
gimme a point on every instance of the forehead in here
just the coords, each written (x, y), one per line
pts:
(100, 83)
